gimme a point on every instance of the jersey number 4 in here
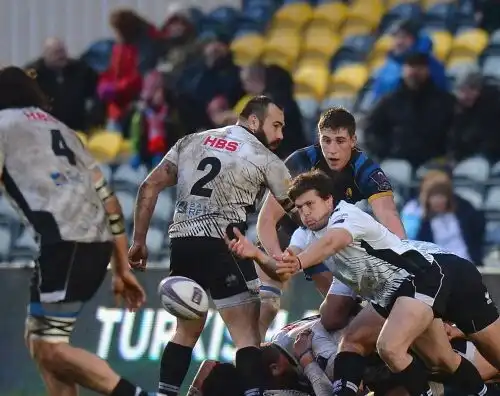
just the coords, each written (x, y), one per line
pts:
(199, 188)
(60, 147)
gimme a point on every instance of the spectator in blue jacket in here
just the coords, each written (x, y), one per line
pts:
(407, 39)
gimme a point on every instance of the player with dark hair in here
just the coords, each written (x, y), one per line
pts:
(220, 174)
(358, 177)
(59, 191)
(409, 283)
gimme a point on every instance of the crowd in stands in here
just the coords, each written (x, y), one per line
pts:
(420, 76)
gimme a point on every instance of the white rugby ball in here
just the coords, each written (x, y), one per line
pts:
(183, 297)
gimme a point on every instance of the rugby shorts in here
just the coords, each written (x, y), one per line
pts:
(229, 280)
(66, 275)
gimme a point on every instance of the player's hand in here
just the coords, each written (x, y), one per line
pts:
(241, 246)
(128, 289)
(303, 345)
(138, 256)
(288, 263)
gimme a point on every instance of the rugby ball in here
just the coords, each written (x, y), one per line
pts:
(183, 297)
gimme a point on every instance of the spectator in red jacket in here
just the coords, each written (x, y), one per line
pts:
(121, 84)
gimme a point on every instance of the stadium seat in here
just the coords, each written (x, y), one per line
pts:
(5, 242)
(460, 68)
(356, 29)
(495, 172)
(399, 171)
(492, 200)
(164, 208)
(442, 42)
(494, 39)
(281, 49)
(375, 64)
(394, 3)
(330, 14)
(469, 43)
(461, 61)
(308, 105)
(491, 66)
(105, 146)
(127, 178)
(431, 3)
(127, 202)
(474, 197)
(475, 169)
(155, 242)
(349, 79)
(381, 47)
(319, 42)
(247, 49)
(295, 15)
(492, 232)
(24, 246)
(343, 100)
(107, 172)
(7, 211)
(311, 80)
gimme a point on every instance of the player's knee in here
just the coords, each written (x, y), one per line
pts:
(187, 335)
(389, 351)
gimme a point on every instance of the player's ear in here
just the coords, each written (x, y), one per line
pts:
(253, 122)
(275, 369)
(354, 141)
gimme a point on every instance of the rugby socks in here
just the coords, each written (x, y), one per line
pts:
(126, 388)
(415, 379)
(175, 363)
(249, 365)
(467, 379)
(348, 373)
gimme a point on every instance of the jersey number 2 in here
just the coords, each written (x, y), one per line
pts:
(60, 147)
(215, 167)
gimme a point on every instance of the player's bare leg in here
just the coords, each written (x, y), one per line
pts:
(176, 357)
(358, 341)
(205, 368)
(270, 301)
(56, 386)
(242, 322)
(456, 371)
(60, 363)
(487, 341)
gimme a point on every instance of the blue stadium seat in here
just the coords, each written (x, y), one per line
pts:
(470, 194)
(164, 209)
(491, 66)
(346, 102)
(492, 236)
(366, 101)
(475, 170)
(492, 201)
(127, 178)
(440, 14)
(127, 202)
(24, 247)
(354, 49)
(7, 211)
(155, 242)
(5, 243)
(399, 171)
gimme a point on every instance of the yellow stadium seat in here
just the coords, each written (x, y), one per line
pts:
(311, 81)
(320, 41)
(366, 11)
(281, 50)
(295, 14)
(331, 14)
(105, 146)
(382, 46)
(83, 137)
(426, 4)
(349, 79)
(247, 49)
(125, 148)
(355, 29)
(457, 60)
(471, 42)
(311, 61)
(376, 63)
(441, 44)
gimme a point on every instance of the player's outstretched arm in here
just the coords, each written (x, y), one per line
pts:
(269, 215)
(243, 248)
(163, 176)
(330, 243)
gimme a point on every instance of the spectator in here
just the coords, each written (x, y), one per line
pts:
(220, 113)
(275, 82)
(414, 121)
(440, 216)
(69, 83)
(133, 53)
(179, 33)
(475, 128)
(154, 125)
(407, 39)
(215, 74)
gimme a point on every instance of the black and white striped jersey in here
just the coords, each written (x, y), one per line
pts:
(221, 174)
(376, 263)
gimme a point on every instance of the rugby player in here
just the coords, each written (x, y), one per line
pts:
(399, 279)
(219, 174)
(360, 178)
(59, 191)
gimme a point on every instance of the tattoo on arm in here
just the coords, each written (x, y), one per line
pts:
(164, 175)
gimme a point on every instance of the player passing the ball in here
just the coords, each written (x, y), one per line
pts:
(220, 174)
(59, 191)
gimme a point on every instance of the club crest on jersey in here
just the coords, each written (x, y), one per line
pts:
(221, 144)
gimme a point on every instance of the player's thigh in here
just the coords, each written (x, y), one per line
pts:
(66, 276)
(435, 350)
(336, 308)
(361, 333)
